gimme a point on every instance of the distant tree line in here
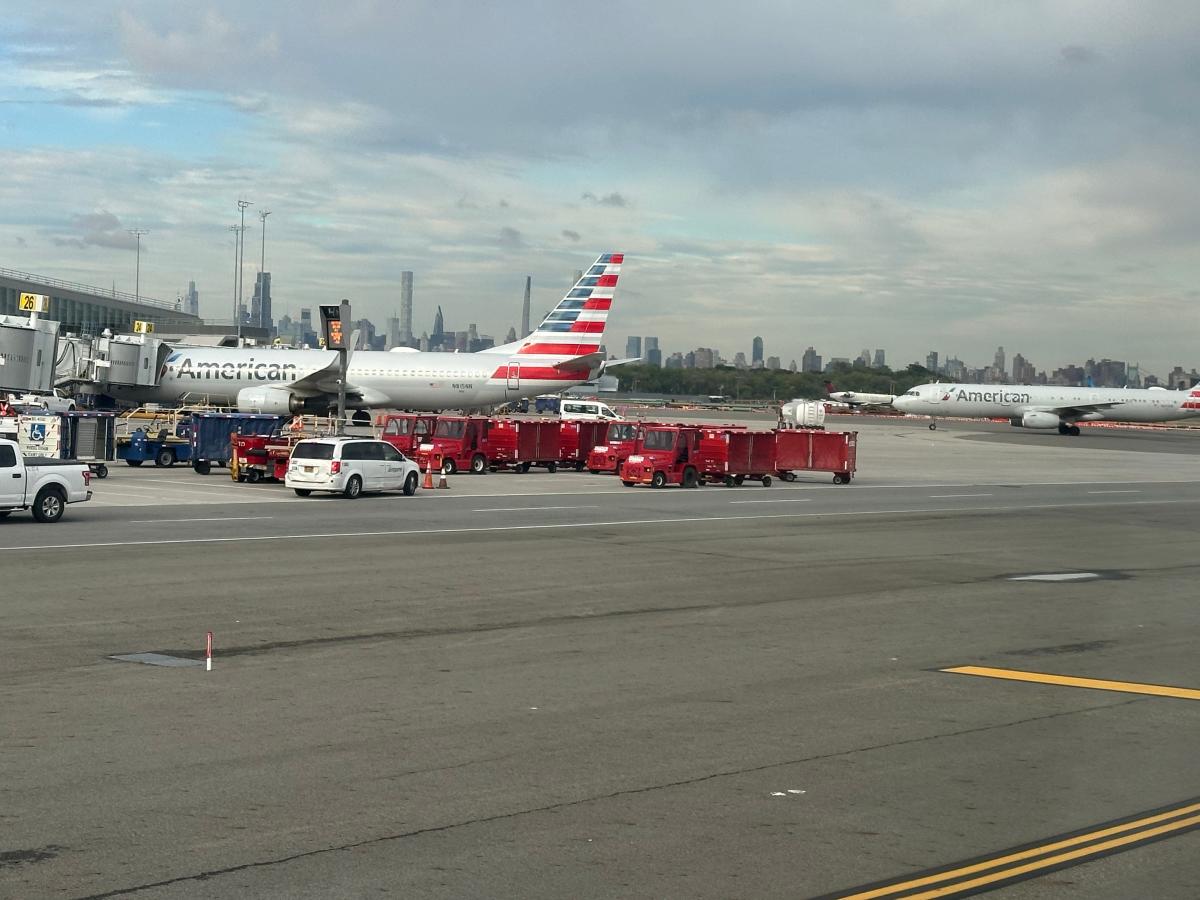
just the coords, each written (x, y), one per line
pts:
(766, 384)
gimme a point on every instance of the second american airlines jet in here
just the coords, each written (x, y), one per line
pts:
(562, 352)
(1049, 406)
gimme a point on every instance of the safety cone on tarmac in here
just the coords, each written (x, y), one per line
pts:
(442, 482)
(427, 484)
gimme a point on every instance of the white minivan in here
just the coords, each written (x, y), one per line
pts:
(587, 410)
(350, 466)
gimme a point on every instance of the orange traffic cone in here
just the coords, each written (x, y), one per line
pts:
(427, 484)
(442, 482)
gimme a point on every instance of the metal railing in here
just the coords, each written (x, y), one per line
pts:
(88, 289)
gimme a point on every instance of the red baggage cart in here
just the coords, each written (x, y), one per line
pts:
(577, 437)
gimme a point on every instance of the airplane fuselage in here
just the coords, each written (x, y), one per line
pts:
(1070, 404)
(405, 380)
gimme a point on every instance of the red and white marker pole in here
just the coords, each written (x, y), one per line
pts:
(208, 653)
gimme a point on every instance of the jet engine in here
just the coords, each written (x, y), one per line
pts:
(1038, 419)
(269, 400)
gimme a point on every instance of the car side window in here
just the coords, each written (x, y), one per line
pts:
(391, 454)
(8, 457)
(352, 452)
(373, 450)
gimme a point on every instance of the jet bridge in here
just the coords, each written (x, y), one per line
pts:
(27, 354)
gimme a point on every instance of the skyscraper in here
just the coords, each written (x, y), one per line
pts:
(438, 335)
(393, 332)
(879, 363)
(931, 361)
(633, 347)
(525, 332)
(811, 361)
(191, 300)
(260, 303)
(999, 362)
(406, 297)
(652, 353)
(756, 353)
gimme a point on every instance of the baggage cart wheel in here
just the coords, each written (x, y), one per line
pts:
(353, 488)
(594, 471)
(48, 506)
(659, 480)
(766, 481)
(164, 458)
(552, 468)
(410, 484)
(689, 477)
(478, 464)
(728, 481)
(627, 483)
(302, 492)
(202, 468)
(839, 478)
(253, 476)
(738, 479)
(579, 467)
(523, 467)
(133, 462)
(101, 471)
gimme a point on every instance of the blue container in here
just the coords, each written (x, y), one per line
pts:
(211, 431)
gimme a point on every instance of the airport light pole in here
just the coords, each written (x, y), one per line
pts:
(137, 272)
(237, 236)
(242, 204)
(262, 265)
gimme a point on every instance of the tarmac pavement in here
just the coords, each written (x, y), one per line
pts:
(552, 685)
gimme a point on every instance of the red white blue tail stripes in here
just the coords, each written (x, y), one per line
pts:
(575, 327)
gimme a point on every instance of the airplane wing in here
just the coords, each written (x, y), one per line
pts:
(325, 381)
(1075, 410)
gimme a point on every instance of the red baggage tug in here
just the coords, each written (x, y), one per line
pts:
(477, 444)
(662, 455)
(405, 431)
(609, 454)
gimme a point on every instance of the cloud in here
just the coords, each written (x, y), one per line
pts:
(613, 199)
(99, 229)
(511, 239)
(1077, 54)
(570, 235)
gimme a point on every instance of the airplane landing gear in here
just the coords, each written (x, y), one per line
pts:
(1072, 430)
(933, 426)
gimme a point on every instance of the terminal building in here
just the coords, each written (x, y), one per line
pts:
(83, 309)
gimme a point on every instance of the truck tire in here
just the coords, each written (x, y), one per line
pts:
(728, 481)
(49, 505)
(552, 468)
(353, 489)
(659, 480)
(254, 476)
(134, 462)
(689, 478)
(202, 468)
(579, 466)
(449, 467)
(594, 471)
(523, 467)
(164, 458)
(738, 479)
(302, 492)
(102, 471)
(628, 483)
(410, 484)
(478, 464)
(766, 481)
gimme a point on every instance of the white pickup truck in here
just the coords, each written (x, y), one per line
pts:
(43, 486)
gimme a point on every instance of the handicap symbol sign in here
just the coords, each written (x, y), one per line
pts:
(37, 432)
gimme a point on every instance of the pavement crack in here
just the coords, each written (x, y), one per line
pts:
(584, 801)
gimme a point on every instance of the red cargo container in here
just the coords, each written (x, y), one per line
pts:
(521, 443)
(405, 431)
(577, 438)
(816, 451)
(608, 455)
(733, 454)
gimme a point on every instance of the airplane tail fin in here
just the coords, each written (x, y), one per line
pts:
(575, 327)
(829, 388)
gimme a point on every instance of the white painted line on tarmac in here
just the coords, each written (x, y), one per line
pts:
(677, 520)
(1057, 576)
(798, 500)
(947, 496)
(1114, 492)
(527, 508)
(214, 519)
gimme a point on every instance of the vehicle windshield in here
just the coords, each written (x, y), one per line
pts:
(622, 432)
(659, 440)
(396, 426)
(450, 428)
(312, 450)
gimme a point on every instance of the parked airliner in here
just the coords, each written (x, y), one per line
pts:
(1049, 406)
(854, 399)
(562, 352)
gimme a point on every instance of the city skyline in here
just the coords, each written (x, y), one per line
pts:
(1024, 176)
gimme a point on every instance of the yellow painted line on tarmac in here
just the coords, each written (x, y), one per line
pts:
(1097, 684)
(1036, 859)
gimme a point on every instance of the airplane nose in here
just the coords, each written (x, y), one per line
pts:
(901, 403)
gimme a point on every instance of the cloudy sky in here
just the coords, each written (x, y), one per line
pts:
(912, 176)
